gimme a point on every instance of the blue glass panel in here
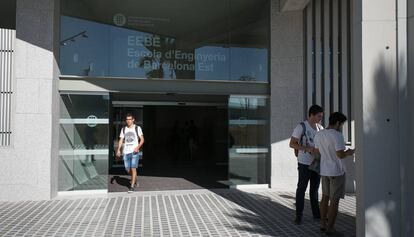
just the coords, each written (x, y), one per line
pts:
(210, 40)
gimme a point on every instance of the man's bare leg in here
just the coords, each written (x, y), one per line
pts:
(133, 176)
(324, 211)
(332, 213)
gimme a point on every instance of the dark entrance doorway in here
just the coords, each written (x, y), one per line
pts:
(186, 145)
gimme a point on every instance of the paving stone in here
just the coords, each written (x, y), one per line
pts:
(178, 213)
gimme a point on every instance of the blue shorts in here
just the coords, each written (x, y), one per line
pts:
(131, 160)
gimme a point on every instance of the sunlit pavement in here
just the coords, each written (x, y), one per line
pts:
(171, 213)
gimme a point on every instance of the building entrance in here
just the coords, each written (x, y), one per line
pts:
(192, 141)
(186, 145)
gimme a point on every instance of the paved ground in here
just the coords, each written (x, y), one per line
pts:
(170, 178)
(172, 213)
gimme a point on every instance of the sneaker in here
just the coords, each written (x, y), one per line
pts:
(131, 190)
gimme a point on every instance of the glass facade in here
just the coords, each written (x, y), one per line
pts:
(248, 139)
(83, 153)
(166, 39)
(214, 40)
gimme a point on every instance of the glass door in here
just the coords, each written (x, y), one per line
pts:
(248, 140)
(83, 142)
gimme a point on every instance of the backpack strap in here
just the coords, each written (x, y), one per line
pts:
(303, 133)
(136, 131)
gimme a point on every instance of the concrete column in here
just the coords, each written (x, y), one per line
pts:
(405, 26)
(408, 177)
(380, 109)
(287, 92)
(29, 168)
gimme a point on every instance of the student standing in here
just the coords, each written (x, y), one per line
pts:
(331, 145)
(302, 142)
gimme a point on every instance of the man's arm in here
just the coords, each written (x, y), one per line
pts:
(294, 140)
(294, 143)
(344, 153)
(120, 143)
(340, 148)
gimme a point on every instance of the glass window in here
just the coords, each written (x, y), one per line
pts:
(248, 139)
(83, 148)
(178, 39)
(8, 14)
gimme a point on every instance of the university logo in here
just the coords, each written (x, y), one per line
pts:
(92, 124)
(119, 19)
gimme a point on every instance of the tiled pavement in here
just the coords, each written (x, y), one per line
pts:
(178, 213)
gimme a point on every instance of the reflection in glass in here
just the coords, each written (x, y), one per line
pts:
(248, 139)
(179, 39)
(83, 148)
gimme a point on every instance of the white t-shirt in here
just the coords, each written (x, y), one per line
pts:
(306, 158)
(131, 138)
(328, 142)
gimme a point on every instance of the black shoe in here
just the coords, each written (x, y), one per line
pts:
(298, 220)
(333, 233)
(131, 190)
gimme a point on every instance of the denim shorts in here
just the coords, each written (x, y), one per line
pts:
(131, 160)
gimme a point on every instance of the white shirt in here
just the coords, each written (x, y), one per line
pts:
(131, 138)
(306, 158)
(328, 142)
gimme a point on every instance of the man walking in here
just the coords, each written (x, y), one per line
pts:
(131, 139)
(331, 146)
(302, 142)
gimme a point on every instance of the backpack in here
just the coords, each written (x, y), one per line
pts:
(301, 138)
(136, 131)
